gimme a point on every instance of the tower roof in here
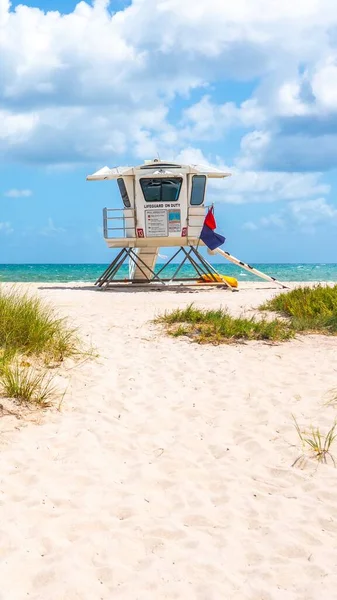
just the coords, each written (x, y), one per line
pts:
(158, 165)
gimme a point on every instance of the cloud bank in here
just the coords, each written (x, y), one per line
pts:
(93, 85)
(81, 86)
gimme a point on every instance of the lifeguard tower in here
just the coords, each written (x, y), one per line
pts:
(163, 206)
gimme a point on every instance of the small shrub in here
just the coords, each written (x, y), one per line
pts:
(26, 385)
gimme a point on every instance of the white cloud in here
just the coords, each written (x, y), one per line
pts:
(324, 84)
(313, 212)
(249, 226)
(208, 120)
(299, 129)
(274, 220)
(94, 83)
(5, 227)
(51, 230)
(17, 127)
(261, 186)
(302, 215)
(14, 193)
(248, 186)
(191, 155)
(253, 144)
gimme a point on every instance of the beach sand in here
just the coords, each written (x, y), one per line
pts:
(167, 473)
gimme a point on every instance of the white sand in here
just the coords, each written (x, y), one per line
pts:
(167, 474)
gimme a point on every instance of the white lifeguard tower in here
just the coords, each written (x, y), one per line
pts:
(163, 206)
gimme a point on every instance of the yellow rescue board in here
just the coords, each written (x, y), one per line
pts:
(212, 277)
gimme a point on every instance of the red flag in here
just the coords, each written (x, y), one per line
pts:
(209, 219)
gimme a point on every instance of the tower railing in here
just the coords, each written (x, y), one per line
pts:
(119, 222)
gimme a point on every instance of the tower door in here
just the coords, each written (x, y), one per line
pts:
(196, 208)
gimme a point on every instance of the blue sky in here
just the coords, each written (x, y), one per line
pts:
(249, 86)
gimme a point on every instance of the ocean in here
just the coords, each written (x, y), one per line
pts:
(64, 273)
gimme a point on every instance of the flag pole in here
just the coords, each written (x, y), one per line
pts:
(248, 268)
(212, 269)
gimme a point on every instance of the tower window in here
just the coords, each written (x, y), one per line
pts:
(198, 189)
(161, 190)
(123, 192)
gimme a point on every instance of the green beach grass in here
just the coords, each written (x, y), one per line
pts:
(218, 326)
(32, 337)
(27, 385)
(310, 309)
(302, 310)
(30, 327)
(316, 444)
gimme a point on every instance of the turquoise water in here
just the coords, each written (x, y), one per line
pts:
(90, 272)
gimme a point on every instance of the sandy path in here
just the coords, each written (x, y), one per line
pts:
(168, 472)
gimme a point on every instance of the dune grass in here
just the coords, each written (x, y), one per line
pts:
(302, 310)
(316, 444)
(218, 326)
(310, 309)
(32, 337)
(331, 398)
(30, 327)
(27, 385)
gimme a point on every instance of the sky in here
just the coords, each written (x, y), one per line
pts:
(248, 86)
